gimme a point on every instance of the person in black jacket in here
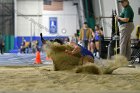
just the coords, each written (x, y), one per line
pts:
(1, 45)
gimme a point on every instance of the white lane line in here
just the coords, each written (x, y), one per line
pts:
(13, 59)
(48, 63)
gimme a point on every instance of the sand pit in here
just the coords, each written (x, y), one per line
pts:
(45, 80)
(65, 80)
(63, 60)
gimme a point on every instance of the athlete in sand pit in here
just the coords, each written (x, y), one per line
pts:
(78, 48)
(86, 54)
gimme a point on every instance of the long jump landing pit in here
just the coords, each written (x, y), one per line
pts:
(44, 80)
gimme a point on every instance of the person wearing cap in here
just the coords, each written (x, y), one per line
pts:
(126, 27)
(85, 35)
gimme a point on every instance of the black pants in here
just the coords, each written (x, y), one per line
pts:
(85, 44)
(1, 49)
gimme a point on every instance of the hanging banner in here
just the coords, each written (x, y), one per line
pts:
(53, 25)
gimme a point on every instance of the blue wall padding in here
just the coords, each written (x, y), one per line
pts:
(18, 40)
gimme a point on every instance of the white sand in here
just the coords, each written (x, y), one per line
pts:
(42, 80)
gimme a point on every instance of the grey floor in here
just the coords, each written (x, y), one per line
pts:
(9, 59)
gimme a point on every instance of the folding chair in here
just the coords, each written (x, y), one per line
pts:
(135, 56)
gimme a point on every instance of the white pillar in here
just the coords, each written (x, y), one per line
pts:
(15, 23)
(116, 5)
(101, 14)
(15, 17)
(81, 11)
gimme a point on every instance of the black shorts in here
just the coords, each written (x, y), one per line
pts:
(93, 41)
(97, 40)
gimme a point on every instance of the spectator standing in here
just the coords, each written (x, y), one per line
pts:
(126, 27)
(85, 35)
(98, 34)
(1, 44)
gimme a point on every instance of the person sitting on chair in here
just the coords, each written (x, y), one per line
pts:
(138, 33)
(22, 48)
(138, 36)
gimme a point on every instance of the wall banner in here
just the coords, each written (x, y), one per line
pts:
(53, 25)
